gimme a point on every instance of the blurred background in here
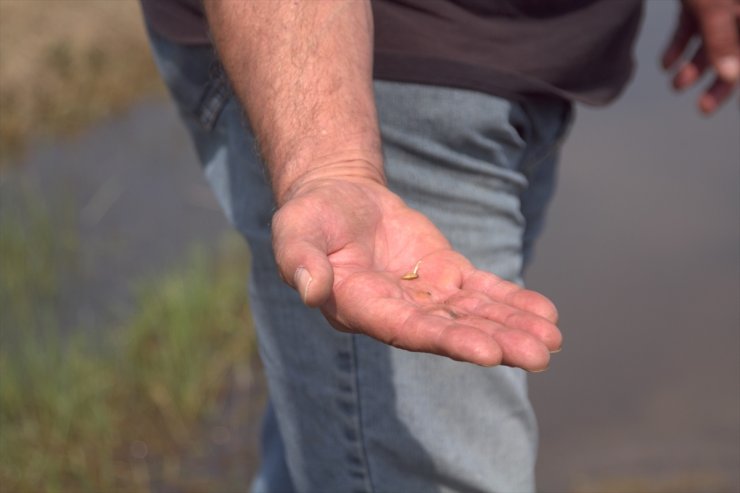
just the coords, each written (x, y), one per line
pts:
(127, 360)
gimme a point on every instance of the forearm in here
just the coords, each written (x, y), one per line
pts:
(303, 72)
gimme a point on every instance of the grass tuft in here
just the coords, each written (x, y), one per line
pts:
(118, 412)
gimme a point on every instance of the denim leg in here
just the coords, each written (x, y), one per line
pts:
(273, 476)
(545, 136)
(467, 161)
(356, 415)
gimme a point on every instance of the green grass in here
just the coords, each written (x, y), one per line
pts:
(118, 412)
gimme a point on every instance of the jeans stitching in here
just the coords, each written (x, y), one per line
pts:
(358, 417)
(213, 101)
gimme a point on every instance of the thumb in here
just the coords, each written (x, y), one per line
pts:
(313, 276)
(302, 260)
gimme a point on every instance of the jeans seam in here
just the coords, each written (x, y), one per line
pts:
(214, 98)
(360, 432)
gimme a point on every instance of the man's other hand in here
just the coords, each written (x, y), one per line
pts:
(375, 266)
(706, 39)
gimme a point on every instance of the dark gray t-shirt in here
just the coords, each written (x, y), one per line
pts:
(574, 49)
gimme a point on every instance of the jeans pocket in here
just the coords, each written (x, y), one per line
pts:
(550, 122)
(195, 78)
(569, 114)
(215, 96)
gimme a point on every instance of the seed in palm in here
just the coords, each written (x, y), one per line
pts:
(410, 276)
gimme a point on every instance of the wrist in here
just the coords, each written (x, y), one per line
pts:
(355, 167)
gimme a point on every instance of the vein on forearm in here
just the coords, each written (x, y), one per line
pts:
(303, 72)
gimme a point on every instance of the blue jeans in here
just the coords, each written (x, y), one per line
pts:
(347, 413)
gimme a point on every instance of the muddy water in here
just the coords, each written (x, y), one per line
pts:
(642, 255)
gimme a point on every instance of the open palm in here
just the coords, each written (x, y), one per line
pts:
(375, 266)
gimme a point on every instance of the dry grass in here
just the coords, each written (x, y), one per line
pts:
(66, 63)
(686, 482)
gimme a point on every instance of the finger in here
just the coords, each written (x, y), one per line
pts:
(718, 25)
(302, 260)
(400, 324)
(691, 71)
(441, 334)
(507, 292)
(509, 317)
(522, 350)
(715, 95)
(465, 343)
(685, 30)
(307, 269)
(518, 348)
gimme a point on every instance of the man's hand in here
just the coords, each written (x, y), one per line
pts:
(303, 71)
(716, 24)
(346, 246)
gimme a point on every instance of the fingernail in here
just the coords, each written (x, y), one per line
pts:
(556, 350)
(302, 280)
(707, 104)
(729, 68)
